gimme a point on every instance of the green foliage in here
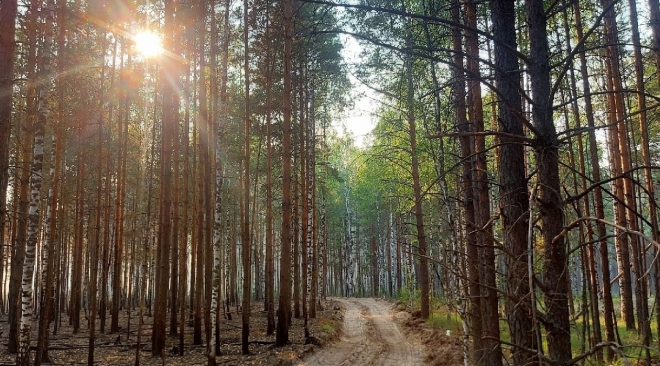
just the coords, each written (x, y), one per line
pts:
(445, 320)
(328, 325)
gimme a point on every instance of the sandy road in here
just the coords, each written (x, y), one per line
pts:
(370, 337)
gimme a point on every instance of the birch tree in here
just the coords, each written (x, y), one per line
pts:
(34, 216)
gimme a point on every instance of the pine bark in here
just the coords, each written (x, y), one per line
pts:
(608, 305)
(284, 312)
(556, 289)
(617, 136)
(467, 148)
(270, 264)
(246, 240)
(169, 123)
(417, 189)
(514, 203)
(640, 258)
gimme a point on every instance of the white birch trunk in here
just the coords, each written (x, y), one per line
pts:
(23, 356)
(392, 244)
(350, 271)
(309, 241)
(217, 290)
(321, 247)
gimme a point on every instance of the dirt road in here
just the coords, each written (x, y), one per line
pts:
(370, 337)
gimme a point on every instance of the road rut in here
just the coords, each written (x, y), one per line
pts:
(370, 337)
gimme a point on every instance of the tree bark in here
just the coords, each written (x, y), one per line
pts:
(417, 189)
(608, 305)
(8, 11)
(34, 216)
(246, 240)
(169, 123)
(556, 289)
(270, 265)
(26, 141)
(284, 315)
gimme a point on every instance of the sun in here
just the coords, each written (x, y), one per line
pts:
(148, 44)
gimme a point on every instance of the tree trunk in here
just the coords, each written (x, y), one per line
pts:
(105, 255)
(246, 240)
(270, 264)
(51, 237)
(200, 299)
(608, 305)
(183, 238)
(556, 289)
(618, 136)
(26, 141)
(417, 190)
(640, 262)
(169, 123)
(23, 356)
(583, 207)
(514, 203)
(312, 269)
(8, 11)
(284, 315)
(486, 267)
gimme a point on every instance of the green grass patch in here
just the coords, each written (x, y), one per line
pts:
(327, 325)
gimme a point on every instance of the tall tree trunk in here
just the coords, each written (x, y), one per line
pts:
(297, 185)
(218, 280)
(417, 189)
(618, 137)
(77, 265)
(303, 142)
(96, 240)
(176, 267)
(183, 237)
(8, 11)
(556, 289)
(514, 203)
(120, 198)
(608, 305)
(311, 224)
(270, 255)
(23, 356)
(51, 237)
(169, 123)
(246, 241)
(640, 262)
(467, 148)
(105, 255)
(374, 267)
(26, 142)
(146, 245)
(584, 207)
(201, 122)
(489, 307)
(284, 315)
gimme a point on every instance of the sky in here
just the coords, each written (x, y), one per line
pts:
(359, 119)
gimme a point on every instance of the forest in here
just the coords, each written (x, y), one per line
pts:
(167, 164)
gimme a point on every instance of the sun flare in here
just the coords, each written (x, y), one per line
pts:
(148, 44)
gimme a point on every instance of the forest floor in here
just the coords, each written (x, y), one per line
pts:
(355, 331)
(117, 349)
